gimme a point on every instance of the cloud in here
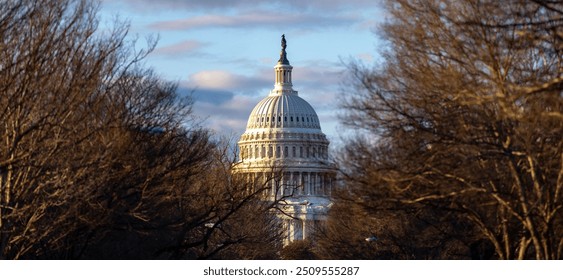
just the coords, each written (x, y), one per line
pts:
(228, 117)
(262, 19)
(224, 99)
(216, 5)
(215, 97)
(224, 80)
(221, 110)
(184, 47)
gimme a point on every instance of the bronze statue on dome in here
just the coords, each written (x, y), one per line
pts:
(283, 54)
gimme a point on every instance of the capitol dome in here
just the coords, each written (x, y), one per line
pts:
(285, 151)
(283, 111)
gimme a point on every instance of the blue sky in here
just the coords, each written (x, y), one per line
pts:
(224, 51)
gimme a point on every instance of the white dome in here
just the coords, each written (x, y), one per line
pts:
(283, 111)
(283, 127)
(285, 151)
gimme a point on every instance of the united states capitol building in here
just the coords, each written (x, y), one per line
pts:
(284, 150)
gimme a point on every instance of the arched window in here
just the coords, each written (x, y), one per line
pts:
(293, 151)
(278, 151)
(314, 152)
(285, 151)
(300, 151)
(270, 151)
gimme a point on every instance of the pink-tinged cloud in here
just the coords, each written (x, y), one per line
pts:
(255, 19)
(214, 79)
(218, 5)
(224, 80)
(184, 47)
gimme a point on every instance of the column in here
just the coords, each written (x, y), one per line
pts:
(301, 187)
(321, 184)
(313, 183)
(292, 184)
(274, 188)
(282, 185)
(308, 183)
(253, 182)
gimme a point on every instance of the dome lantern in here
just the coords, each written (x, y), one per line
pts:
(282, 70)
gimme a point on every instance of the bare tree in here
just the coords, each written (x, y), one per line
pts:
(463, 120)
(100, 158)
(51, 72)
(236, 221)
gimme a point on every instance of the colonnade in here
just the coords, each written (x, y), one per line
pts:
(299, 229)
(292, 183)
(283, 151)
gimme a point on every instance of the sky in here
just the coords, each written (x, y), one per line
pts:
(223, 52)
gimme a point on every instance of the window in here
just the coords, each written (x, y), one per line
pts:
(285, 119)
(285, 151)
(278, 151)
(314, 152)
(293, 151)
(300, 151)
(270, 151)
(290, 119)
(308, 152)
